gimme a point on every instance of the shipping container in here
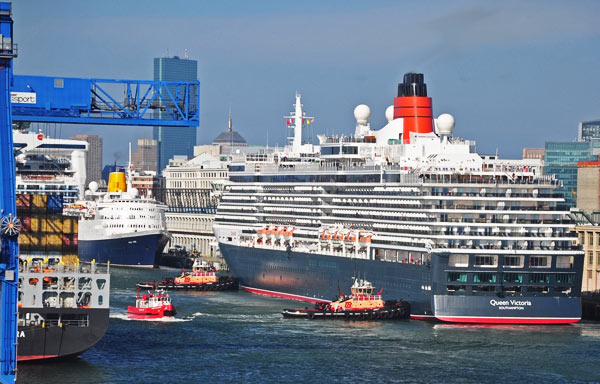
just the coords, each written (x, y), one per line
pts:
(70, 259)
(51, 241)
(52, 224)
(23, 202)
(69, 244)
(29, 240)
(69, 224)
(35, 224)
(55, 204)
(39, 203)
(25, 223)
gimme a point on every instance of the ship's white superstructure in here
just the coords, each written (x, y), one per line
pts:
(49, 166)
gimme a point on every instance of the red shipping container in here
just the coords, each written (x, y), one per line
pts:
(66, 240)
(23, 201)
(26, 223)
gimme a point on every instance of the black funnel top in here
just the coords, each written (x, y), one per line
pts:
(413, 85)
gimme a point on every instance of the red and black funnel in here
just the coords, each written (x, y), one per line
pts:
(413, 105)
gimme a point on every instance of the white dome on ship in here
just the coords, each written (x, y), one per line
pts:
(445, 124)
(362, 113)
(93, 186)
(389, 113)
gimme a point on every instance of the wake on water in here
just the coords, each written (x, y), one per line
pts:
(123, 316)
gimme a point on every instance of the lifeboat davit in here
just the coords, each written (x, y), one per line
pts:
(153, 305)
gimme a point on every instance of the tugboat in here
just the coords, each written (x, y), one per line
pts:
(203, 277)
(362, 304)
(153, 305)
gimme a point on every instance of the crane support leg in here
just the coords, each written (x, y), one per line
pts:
(8, 221)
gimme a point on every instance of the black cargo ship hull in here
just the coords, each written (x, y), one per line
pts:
(60, 340)
(316, 277)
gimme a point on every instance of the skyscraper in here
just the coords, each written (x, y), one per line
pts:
(93, 160)
(144, 158)
(174, 140)
(561, 160)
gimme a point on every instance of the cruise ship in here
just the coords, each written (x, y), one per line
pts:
(415, 210)
(120, 227)
(49, 166)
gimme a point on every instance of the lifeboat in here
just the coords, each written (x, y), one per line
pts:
(290, 232)
(365, 238)
(362, 304)
(153, 305)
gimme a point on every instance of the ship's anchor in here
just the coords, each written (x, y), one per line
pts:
(10, 225)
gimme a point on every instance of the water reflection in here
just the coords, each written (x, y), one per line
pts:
(61, 371)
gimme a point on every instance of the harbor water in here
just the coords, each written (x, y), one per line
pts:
(236, 337)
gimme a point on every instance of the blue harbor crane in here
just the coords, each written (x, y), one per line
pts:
(70, 101)
(9, 224)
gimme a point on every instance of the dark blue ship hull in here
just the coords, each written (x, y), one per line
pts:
(134, 251)
(315, 277)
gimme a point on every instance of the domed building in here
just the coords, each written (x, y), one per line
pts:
(230, 138)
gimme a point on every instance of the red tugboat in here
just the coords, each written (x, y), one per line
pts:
(362, 304)
(203, 277)
(153, 305)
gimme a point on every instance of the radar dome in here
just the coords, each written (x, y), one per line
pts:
(389, 113)
(93, 186)
(445, 124)
(133, 192)
(362, 113)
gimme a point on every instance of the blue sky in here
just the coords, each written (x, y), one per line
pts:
(514, 74)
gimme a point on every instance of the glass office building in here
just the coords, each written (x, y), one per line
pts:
(588, 130)
(561, 160)
(174, 140)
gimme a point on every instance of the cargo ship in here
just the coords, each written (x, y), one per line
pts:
(120, 226)
(63, 309)
(462, 237)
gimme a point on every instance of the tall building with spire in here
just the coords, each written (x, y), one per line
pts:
(174, 140)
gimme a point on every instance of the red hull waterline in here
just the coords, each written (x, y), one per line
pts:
(454, 319)
(509, 320)
(36, 357)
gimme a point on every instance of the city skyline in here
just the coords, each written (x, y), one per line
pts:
(513, 74)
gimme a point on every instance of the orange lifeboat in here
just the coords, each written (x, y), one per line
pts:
(365, 238)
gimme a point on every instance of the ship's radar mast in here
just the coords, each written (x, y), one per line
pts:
(296, 120)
